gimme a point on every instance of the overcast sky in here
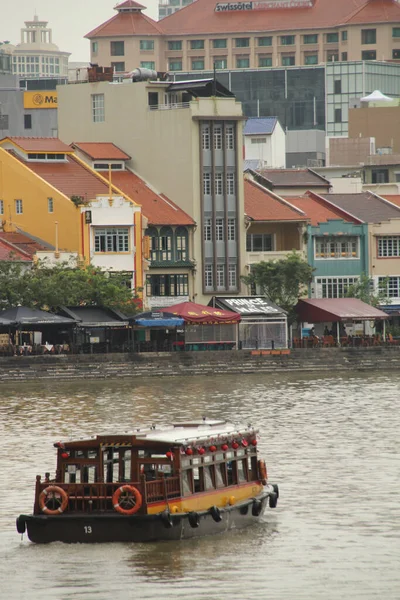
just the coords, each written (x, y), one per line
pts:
(70, 20)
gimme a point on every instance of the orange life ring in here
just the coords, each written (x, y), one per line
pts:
(132, 496)
(57, 494)
(262, 472)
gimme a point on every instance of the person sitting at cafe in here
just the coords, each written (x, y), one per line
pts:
(326, 330)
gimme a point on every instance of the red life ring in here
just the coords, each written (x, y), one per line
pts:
(262, 472)
(131, 495)
(56, 495)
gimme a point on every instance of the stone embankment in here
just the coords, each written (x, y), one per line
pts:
(183, 364)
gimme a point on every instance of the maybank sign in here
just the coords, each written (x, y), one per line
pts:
(262, 5)
(40, 99)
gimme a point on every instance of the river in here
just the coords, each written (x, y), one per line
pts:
(331, 442)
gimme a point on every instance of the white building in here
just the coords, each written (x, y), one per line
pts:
(264, 143)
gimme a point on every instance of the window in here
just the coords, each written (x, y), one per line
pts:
(220, 63)
(231, 230)
(311, 59)
(380, 175)
(396, 54)
(45, 156)
(396, 32)
(207, 184)
(344, 36)
(175, 45)
(288, 61)
(18, 207)
(333, 287)
(198, 64)
(181, 243)
(332, 56)
(368, 36)
(232, 277)
(230, 137)
(287, 40)
(98, 108)
(205, 137)
(207, 234)
(119, 67)
(264, 41)
(242, 42)
(338, 115)
(311, 38)
(219, 230)
(344, 56)
(208, 277)
(336, 247)
(217, 137)
(259, 242)
(265, 61)
(4, 120)
(50, 205)
(388, 246)
(218, 184)
(117, 48)
(332, 38)
(368, 55)
(197, 44)
(147, 44)
(175, 65)
(337, 85)
(27, 122)
(230, 184)
(167, 285)
(390, 285)
(106, 166)
(165, 244)
(242, 63)
(1, 207)
(95, 47)
(148, 64)
(258, 140)
(219, 44)
(220, 276)
(112, 239)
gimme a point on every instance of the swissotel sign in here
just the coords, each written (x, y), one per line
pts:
(262, 5)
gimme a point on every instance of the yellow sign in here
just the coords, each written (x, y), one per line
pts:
(40, 99)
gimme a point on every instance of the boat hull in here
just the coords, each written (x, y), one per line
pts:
(100, 528)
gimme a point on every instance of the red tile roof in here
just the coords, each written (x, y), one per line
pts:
(376, 11)
(38, 144)
(261, 205)
(9, 253)
(318, 211)
(393, 198)
(294, 178)
(101, 150)
(126, 23)
(22, 242)
(129, 4)
(158, 209)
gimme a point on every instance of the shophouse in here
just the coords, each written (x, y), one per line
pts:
(185, 140)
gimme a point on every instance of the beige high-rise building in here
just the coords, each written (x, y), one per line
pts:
(185, 139)
(248, 34)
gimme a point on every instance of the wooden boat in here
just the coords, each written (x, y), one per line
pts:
(167, 483)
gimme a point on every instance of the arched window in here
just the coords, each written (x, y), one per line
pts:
(152, 232)
(165, 244)
(181, 243)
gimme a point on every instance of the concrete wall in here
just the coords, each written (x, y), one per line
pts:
(382, 123)
(350, 151)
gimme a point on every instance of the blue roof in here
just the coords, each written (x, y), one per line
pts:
(256, 126)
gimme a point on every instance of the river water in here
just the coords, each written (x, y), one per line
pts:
(331, 443)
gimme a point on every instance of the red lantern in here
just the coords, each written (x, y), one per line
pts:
(169, 454)
(245, 443)
(65, 455)
(213, 448)
(189, 451)
(254, 442)
(235, 445)
(224, 447)
(201, 450)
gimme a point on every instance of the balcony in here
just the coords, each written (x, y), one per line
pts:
(256, 257)
(171, 106)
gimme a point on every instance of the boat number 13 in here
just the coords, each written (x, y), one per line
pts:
(87, 529)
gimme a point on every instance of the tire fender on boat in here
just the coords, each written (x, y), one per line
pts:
(135, 493)
(166, 518)
(194, 519)
(273, 497)
(21, 524)
(256, 508)
(216, 514)
(53, 489)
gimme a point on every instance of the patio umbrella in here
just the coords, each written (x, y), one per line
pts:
(376, 96)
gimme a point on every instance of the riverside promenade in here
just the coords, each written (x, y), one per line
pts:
(184, 364)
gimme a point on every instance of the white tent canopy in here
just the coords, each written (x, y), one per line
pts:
(376, 96)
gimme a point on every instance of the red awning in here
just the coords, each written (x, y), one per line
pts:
(197, 313)
(323, 310)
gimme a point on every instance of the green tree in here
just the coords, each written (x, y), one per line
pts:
(282, 281)
(363, 289)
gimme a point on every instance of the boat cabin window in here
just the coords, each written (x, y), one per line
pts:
(220, 475)
(154, 466)
(80, 473)
(208, 483)
(117, 464)
(241, 471)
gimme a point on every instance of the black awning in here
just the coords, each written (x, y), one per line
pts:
(204, 88)
(23, 315)
(95, 316)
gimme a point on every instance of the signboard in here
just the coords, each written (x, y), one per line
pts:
(40, 99)
(164, 301)
(94, 340)
(251, 306)
(262, 5)
(88, 217)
